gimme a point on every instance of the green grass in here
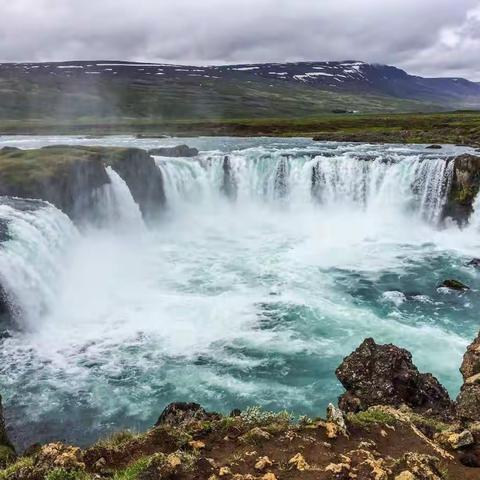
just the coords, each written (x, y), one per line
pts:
(24, 464)
(452, 127)
(117, 439)
(371, 417)
(133, 470)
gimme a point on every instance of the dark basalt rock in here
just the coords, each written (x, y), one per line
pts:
(70, 177)
(67, 177)
(4, 441)
(385, 375)
(180, 414)
(229, 186)
(454, 285)
(178, 151)
(468, 401)
(281, 178)
(475, 262)
(464, 188)
(144, 179)
(434, 147)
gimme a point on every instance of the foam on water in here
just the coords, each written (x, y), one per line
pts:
(268, 269)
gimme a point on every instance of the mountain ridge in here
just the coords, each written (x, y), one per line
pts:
(121, 88)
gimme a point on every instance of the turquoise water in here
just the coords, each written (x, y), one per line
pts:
(232, 302)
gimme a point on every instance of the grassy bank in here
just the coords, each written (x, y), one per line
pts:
(455, 127)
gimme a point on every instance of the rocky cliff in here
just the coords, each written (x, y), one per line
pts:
(69, 176)
(464, 188)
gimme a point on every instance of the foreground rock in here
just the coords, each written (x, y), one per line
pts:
(7, 453)
(381, 443)
(468, 401)
(454, 285)
(385, 375)
(181, 414)
(70, 177)
(178, 151)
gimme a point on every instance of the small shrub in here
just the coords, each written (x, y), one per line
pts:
(62, 474)
(371, 417)
(14, 470)
(117, 439)
(133, 470)
(257, 416)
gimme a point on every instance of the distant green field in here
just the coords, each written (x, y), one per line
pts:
(453, 127)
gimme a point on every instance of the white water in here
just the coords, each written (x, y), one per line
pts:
(116, 207)
(243, 300)
(31, 260)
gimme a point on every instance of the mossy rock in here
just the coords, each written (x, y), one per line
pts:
(7, 455)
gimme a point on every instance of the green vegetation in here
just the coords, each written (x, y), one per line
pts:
(19, 469)
(371, 417)
(453, 127)
(117, 439)
(65, 98)
(133, 470)
(63, 474)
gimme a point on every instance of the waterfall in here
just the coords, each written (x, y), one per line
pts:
(36, 236)
(116, 207)
(410, 183)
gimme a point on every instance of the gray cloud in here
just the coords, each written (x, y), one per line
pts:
(427, 37)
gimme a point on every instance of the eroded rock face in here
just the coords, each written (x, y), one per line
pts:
(464, 188)
(468, 401)
(178, 151)
(180, 414)
(144, 179)
(63, 176)
(4, 441)
(385, 375)
(229, 187)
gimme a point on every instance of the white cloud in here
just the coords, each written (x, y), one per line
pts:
(427, 36)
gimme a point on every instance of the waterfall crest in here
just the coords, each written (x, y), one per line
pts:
(413, 184)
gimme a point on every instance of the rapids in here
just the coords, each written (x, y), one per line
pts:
(265, 270)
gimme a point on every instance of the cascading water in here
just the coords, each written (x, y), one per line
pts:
(116, 208)
(37, 235)
(377, 183)
(275, 260)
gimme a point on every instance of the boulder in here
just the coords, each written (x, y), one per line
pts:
(468, 400)
(180, 414)
(475, 262)
(178, 151)
(434, 147)
(454, 285)
(385, 375)
(464, 188)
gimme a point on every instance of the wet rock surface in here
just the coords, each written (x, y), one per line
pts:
(144, 179)
(178, 151)
(454, 285)
(70, 177)
(464, 188)
(385, 375)
(468, 401)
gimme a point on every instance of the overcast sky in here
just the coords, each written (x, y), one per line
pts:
(426, 37)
